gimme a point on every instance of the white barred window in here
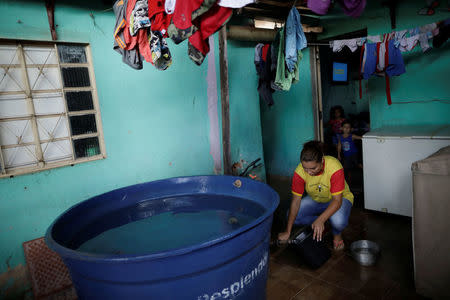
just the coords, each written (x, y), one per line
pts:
(49, 112)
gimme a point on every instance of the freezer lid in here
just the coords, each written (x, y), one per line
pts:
(412, 132)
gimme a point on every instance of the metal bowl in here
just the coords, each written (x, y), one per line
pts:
(365, 252)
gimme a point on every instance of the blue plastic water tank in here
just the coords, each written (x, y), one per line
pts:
(233, 266)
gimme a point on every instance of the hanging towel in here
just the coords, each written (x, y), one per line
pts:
(283, 77)
(352, 44)
(295, 38)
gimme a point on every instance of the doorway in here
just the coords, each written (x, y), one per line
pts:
(336, 90)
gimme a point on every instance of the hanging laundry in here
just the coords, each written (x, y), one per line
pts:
(295, 38)
(427, 28)
(185, 13)
(407, 43)
(444, 34)
(139, 33)
(140, 40)
(130, 57)
(139, 17)
(320, 7)
(374, 38)
(382, 59)
(353, 8)
(352, 44)
(398, 35)
(161, 57)
(258, 52)
(235, 3)
(264, 74)
(196, 20)
(274, 47)
(160, 21)
(207, 24)
(169, 6)
(283, 78)
(423, 41)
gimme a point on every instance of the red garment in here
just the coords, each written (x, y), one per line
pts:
(336, 125)
(186, 11)
(208, 24)
(140, 39)
(264, 51)
(157, 15)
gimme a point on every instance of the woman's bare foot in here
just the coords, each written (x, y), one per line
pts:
(338, 242)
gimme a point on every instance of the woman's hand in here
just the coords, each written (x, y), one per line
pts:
(318, 226)
(283, 236)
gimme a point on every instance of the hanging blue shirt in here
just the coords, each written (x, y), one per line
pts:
(295, 38)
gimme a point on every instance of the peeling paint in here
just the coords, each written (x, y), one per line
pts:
(14, 283)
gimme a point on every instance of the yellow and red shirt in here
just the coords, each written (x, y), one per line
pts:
(322, 187)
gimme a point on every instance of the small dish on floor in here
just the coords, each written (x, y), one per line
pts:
(365, 252)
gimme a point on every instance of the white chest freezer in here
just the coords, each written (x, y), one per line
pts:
(388, 153)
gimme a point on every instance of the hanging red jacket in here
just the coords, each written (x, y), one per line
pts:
(183, 17)
(207, 24)
(157, 14)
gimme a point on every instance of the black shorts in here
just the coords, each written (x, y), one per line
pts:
(350, 162)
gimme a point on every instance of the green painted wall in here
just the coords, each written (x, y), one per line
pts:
(426, 76)
(245, 121)
(289, 123)
(155, 123)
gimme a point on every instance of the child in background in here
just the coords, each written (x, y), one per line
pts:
(336, 119)
(347, 151)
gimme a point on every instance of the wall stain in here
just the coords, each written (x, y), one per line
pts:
(7, 261)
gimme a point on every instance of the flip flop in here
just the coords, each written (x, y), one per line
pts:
(338, 245)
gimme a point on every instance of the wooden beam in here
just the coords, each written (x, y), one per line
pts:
(225, 101)
(277, 15)
(30, 105)
(252, 34)
(50, 6)
(11, 172)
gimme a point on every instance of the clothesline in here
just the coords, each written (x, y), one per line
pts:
(319, 44)
(406, 39)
